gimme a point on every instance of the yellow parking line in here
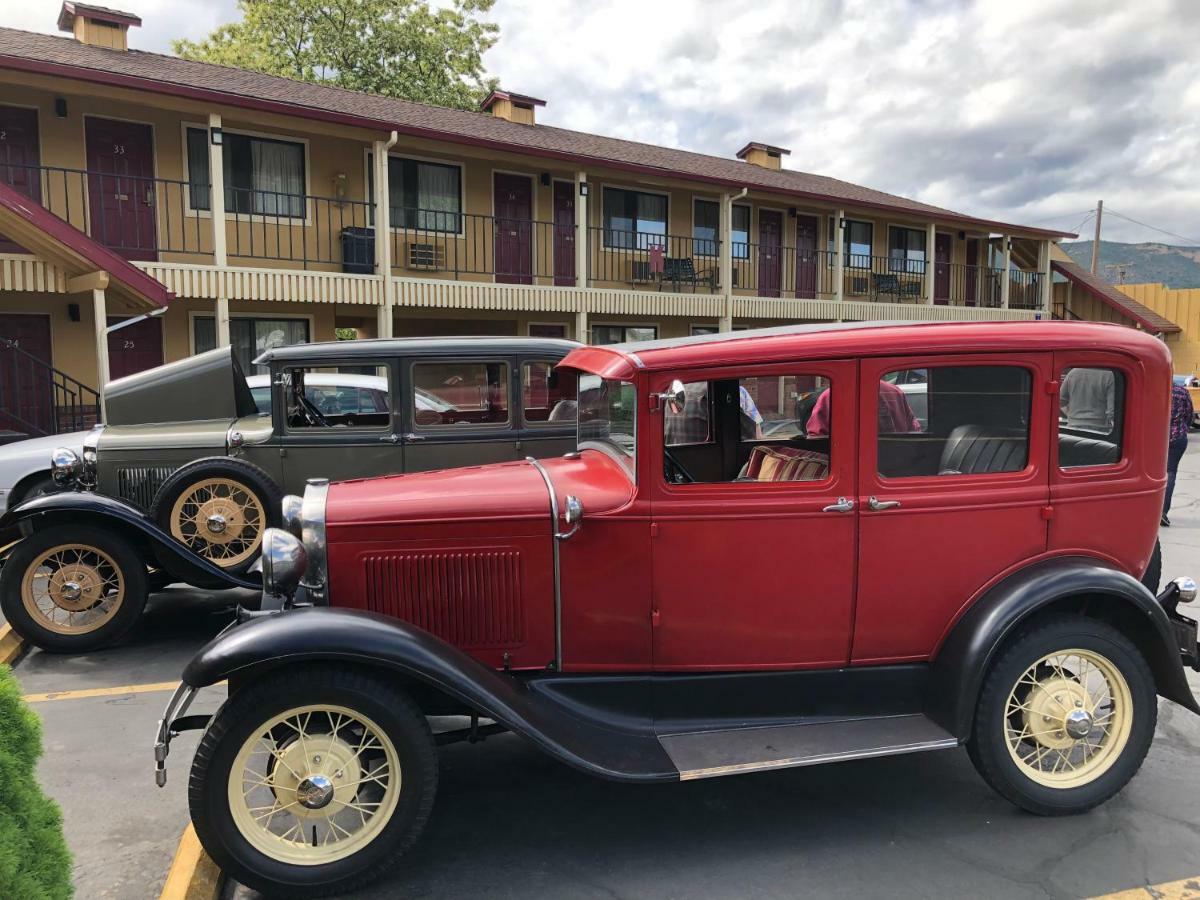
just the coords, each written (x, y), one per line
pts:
(102, 692)
(11, 644)
(192, 876)
(1187, 889)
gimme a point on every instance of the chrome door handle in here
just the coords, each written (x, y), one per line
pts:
(410, 437)
(844, 504)
(390, 439)
(877, 505)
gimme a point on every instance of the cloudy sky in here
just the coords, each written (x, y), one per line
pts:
(1021, 110)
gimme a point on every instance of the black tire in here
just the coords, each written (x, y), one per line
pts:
(124, 615)
(249, 709)
(1153, 577)
(249, 477)
(988, 746)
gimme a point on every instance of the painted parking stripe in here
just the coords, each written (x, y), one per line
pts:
(11, 645)
(1187, 889)
(193, 875)
(83, 694)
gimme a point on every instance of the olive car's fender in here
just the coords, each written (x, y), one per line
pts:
(1067, 583)
(605, 747)
(81, 506)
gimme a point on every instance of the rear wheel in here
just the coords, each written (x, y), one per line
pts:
(72, 588)
(1065, 718)
(219, 509)
(313, 781)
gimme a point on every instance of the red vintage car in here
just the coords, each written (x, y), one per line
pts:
(759, 557)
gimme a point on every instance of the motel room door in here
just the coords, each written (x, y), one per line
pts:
(806, 257)
(564, 233)
(513, 205)
(121, 190)
(26, 394)
(770, 237)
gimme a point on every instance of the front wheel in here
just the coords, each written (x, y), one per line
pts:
(70, 589)
(1065, 717)
(313, 781)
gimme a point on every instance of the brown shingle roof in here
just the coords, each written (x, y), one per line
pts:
(157, 72)
(1106, 293)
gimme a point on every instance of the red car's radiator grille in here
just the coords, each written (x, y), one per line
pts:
(467, 599)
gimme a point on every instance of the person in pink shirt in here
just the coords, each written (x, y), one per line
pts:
(895, 415)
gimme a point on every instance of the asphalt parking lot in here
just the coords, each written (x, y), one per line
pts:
(511, 823)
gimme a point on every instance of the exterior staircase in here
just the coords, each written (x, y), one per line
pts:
(37, 399)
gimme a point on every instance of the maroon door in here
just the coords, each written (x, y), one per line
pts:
(26, 398)
(120, 161)
(941, 274)
(19, 157)
(972, 272)
(770, 234)
(564, 233)
(513, 204)
(806, 257)
(134, 348)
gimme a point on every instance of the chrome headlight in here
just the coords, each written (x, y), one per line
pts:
(313, 528)
(292, 517)
(283, 562)
(64, 466)
(1187, 589)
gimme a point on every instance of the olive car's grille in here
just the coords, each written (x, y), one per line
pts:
(468, 599)
(139, 484)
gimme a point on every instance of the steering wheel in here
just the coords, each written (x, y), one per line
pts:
(312, 415)
(673, 470)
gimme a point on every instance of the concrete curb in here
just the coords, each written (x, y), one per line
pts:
(193, 875)
(11, 645)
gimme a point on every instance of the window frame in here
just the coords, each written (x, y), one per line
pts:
(745, 254)
(329, 435)
(1131, 435)
(520, 392)
(606, 229)
(592, 326)
(831, 246)
(410, 394)
(905, 264)
(305, 163)
(195, 315)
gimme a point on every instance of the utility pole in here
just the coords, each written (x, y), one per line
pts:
(1096, 239)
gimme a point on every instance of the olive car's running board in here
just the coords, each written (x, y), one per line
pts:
(707, 754)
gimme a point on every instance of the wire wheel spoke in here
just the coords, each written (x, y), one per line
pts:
(72, 589)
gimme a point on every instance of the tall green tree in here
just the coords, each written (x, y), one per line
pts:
(399, 48)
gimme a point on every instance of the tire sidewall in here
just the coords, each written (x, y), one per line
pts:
(250, 476)
(246, 712)
(989, 745)
(122, 552)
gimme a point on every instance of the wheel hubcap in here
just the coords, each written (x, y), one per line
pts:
(220, 519)
(72, 589)
(216, 524)
(1078, 723)
(315, 791)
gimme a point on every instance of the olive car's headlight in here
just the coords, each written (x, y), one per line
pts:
(292, 517)
(283, 562)
(64, 466)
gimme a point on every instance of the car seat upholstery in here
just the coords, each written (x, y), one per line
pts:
(769, 463)
(978, 450)
(1074, 450)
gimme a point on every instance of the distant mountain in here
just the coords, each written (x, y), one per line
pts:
(1177, 267)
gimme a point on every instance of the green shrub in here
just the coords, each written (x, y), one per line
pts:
(34, 861)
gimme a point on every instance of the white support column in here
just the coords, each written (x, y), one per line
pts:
(100, 316)
(1046, 280)
(216, 205)
(930, 263)
(581, 327)
(725, 223)
(581, 235)
(1006, 278)
(383, 238)
(839, 249)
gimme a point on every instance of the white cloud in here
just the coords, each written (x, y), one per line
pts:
(1020, 110)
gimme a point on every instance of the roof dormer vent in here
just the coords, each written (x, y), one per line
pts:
(763, 155)
(97, 26)
(513, 107)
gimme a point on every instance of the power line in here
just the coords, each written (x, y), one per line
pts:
(1193, 241)
(1063, 216)
(1091, 215)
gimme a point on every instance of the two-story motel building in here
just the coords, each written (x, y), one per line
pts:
(246, 206)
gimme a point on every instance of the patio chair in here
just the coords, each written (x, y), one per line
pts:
(681, 270)
(886, 284)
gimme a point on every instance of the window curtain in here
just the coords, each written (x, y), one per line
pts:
(250, 337)
(278, 173)
(651, 221)
(437, 198)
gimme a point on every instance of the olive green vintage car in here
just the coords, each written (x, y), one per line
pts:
(202, 454)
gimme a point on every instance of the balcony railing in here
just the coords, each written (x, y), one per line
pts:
(618, 258)
(38, 399)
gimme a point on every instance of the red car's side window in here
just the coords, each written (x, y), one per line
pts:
(1091, 417)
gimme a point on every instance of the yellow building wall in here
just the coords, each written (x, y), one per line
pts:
(1181, 306)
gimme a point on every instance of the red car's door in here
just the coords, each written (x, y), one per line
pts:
(755, 574)
(958, 501)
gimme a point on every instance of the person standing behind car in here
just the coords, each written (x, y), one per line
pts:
(1182, 413)
(1087, 399)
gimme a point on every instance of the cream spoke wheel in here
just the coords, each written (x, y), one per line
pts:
(72, 589)
(1068, 718)
(314, 784)
(220, 519)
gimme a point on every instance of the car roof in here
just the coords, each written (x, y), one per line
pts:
(852, 339)
(422, 346)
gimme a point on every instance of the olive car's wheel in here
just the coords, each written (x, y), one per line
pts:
(72, 588)
(1153, 577)
(1066, 716)
(313, 781)
(219, 508)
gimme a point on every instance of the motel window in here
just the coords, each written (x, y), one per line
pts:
(856, 242)
(422, 196)
(706, 229)
(250, 337)
(633, 219)
(906, 250)
(623, 334)
(263, 176)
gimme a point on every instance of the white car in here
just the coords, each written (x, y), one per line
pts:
(25, 466)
